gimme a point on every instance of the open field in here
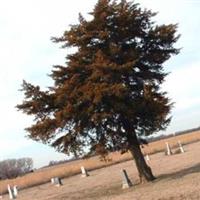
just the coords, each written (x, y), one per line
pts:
(178, 177)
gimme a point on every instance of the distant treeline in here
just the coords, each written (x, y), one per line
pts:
(52, 162)
(12, 168)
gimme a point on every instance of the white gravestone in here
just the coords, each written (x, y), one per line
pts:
(181, 147)
(57, 181)
(126, 183)
(53, 180)
(169, 152)
(15, 190)
(147, 157)
(11, 193)
(84, 172)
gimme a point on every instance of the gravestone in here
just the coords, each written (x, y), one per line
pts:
(53, 180)
(168, 151)
(126, 183)
(84, 172)
(57, 181)
(11, 193)
(181, 147)
(15, 190)
(147, 157)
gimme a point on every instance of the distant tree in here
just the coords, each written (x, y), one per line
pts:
(52, 162)
(12, 168)
(108, 94)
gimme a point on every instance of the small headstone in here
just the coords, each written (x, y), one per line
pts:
(126, 183)
(53, 180)
(168, 152)
(147, 157)
(11, 193)
(84, 172)
(181, 147)
(15, 190)
(57, 181)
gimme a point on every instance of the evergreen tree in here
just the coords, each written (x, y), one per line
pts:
(108, 94)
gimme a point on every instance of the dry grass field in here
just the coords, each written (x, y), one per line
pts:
(178, 176)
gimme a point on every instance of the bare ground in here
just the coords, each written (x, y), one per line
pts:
(178, 178)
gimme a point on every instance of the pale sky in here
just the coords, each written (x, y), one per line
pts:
(26, 27)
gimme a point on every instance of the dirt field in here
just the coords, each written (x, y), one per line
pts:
(42, 176)
(178, 178)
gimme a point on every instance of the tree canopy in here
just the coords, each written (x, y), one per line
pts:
(108, 92)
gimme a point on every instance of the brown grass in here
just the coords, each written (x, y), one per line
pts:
(160, 145)
(72, 168)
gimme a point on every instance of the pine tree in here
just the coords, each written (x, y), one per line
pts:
(108, 94)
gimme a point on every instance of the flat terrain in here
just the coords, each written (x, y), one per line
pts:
(178, 178)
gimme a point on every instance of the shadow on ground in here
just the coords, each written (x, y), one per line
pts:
(181, 173)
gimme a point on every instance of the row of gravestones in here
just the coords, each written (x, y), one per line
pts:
(126, 183)
(168, 150)
(58, 182)
(13, 192)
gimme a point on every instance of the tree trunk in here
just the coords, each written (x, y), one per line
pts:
(145, 173)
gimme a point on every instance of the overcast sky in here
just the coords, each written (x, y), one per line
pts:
(26, 52)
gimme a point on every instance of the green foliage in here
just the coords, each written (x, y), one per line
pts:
(109, 90)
